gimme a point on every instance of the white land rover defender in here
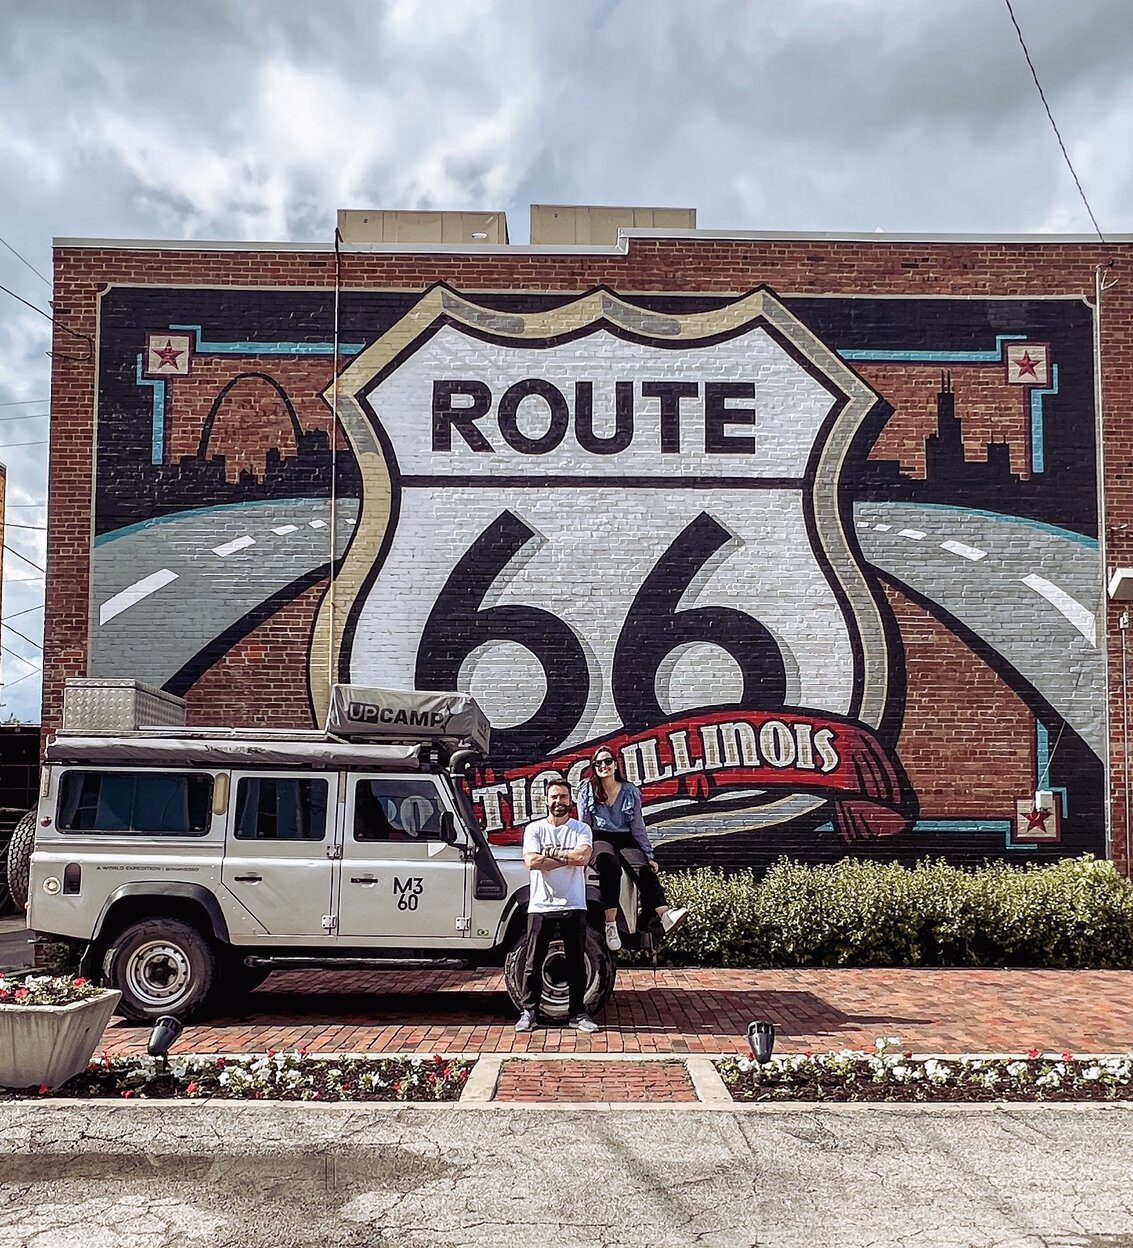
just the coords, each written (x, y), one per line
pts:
(189, 863)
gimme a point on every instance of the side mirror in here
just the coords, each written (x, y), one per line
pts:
(448, 828)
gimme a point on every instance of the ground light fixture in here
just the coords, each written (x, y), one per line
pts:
(761, 1038)
(161, 1038)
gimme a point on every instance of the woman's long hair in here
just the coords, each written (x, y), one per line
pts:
(597, 785)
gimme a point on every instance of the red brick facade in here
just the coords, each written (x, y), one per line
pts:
(953, 695)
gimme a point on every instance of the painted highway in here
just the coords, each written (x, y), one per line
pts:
(165, 589)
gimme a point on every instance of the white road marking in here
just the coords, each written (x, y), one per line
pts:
(882, 528)
(286, 528)
(1078, 615)
(966, 552)
(230, 548)
(316, 524)
(915, 534)
(134, 593)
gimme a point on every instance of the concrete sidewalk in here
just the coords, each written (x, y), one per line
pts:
(677, 1012)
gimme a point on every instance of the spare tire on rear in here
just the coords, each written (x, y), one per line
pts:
(19, 860)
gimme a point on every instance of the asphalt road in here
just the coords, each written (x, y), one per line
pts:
(1032, 593)
(165, 589)
(147, 1175)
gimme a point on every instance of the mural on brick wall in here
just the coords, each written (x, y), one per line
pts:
(823, 571)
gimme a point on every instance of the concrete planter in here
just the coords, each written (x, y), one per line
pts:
(48, 1044)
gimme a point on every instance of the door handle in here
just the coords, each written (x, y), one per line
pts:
(363, 879)
(250, 878)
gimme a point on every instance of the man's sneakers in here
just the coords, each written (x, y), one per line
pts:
(613, 940)
(672, 919)
(581, 1022)
(526, 1021)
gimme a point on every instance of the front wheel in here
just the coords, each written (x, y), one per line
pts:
(554, 1000)
(160, 966)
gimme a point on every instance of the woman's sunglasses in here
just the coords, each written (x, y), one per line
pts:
(603, 762)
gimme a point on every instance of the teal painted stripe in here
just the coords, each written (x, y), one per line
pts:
(267, 348)
(937, 357)
(174, 516)
(995, 826)
(1038, 461)
(157, 413)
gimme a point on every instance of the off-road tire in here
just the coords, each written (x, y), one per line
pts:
(19, 860)
(601, 971)
(161, 966)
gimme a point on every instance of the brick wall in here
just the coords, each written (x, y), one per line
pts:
(990, 686)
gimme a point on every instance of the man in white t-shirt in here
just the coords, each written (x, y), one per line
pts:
(556, 851)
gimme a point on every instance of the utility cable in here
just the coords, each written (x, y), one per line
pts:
(1053, 124)
(12, 551)
(23, 402)
(8, 684)
(59, 324)
(19, 656)
(11, 446)
(26, 611)
(28, 416)
(38, 644)
(38, 528)
(26, 263)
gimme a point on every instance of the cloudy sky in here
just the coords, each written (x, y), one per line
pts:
(256, 119)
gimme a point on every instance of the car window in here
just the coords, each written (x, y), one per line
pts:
(396, 810)
(270, 808)
(136, 802)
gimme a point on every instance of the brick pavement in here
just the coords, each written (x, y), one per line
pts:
(677, 1011)
(610, 1081)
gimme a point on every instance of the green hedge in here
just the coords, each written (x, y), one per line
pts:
(1078, 912)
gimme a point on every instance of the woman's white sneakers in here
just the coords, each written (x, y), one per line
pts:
(672, 919)
(613, 940)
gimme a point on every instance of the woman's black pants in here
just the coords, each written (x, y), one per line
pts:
(609, 857)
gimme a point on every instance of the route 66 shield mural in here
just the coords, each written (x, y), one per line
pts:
(627, 527)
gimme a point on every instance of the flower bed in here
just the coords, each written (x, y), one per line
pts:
(46, 990)
(272, 1076)
(888, 1074)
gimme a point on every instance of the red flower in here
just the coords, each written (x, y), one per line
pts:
(1068, 1057)
(396, 1085)
(43, 1089)
(20, 993)
(78, 982)
(806, 1053)
(106, 1060)
(1033, 1053)
(222, 1062)
(271, 1052)
(126, 1092)
(463, 1074)
(301, 1052)
(192, 1089)
(3, 994)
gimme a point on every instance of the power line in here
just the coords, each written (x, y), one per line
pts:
(19, 656)
(1053, 124)
(7, 446)
(23, 402)
(16, 614)
(38, 528)
(26, 263)
(7, 684)
(28, 416)
(38, 644)
(58, 325)
(12, 551)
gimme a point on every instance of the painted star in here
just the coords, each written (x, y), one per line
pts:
(1027, 366)
(167, 355)
(1037, 819)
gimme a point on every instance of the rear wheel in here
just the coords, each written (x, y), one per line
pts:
(19, 860)
(160, 966)
(554, 999)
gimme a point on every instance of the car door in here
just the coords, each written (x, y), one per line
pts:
(402, 884)
(278, 860)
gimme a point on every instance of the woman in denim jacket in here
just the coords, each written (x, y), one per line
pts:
(612, 808)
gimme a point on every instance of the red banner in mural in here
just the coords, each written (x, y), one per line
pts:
(690, 759)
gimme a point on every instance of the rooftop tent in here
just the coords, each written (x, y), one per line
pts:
(358, 712)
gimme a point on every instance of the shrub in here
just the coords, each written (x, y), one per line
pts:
(1076, 912)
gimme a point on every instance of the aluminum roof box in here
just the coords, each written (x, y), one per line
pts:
(107, 704)
(358, 712)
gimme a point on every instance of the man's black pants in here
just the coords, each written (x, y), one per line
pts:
(541, 928)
